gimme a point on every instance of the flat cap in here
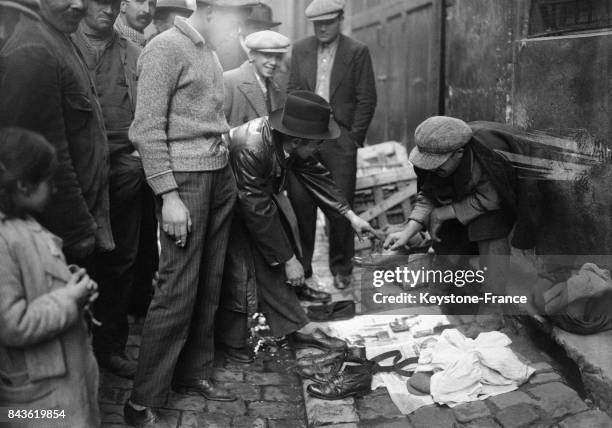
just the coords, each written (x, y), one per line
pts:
(267, 41)
(436, 139)
(176, 4)
(323, 10)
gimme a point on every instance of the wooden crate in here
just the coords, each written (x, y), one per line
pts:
(380, 158)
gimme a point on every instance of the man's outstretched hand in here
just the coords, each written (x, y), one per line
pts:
(361, 226)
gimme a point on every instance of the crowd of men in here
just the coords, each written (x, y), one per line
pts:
(133, 97)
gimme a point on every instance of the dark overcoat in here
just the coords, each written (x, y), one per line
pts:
(46, 87)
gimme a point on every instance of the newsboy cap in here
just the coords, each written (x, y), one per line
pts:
(436, 139)
(323, 10)
(267, 41)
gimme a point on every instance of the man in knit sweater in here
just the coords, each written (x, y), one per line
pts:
(177, 130)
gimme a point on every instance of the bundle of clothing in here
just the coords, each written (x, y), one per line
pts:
(583, 303)
(454, 369)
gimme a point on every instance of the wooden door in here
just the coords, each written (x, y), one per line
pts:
(405, 40)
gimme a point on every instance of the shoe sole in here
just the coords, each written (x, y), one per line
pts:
(189, 391)
(356, 394)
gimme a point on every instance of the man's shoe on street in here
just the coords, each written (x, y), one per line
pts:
(118, 364)
(342, 281)
(239, 355)
(321, 359)
(314, 282)
(204, 387)
(146, 418)
(343, 385)
(320, 340)
(306, 293)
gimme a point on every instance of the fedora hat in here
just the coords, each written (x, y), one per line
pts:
(305, 115)
(261, 15)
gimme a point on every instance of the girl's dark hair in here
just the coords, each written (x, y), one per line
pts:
(26, 157)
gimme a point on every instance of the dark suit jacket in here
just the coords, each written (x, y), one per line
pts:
(46, 88)
(244, 99)
(352, 87)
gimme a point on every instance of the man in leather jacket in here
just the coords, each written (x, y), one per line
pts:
(265, 226)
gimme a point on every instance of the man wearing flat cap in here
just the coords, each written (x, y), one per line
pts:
(250, 90)
(262, 152)
(339, 69)
(469, 196)
(233, 52)
(177, 130)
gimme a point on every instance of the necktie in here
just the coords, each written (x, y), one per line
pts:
(268, 97)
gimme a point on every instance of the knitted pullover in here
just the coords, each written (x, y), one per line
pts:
(179, 116)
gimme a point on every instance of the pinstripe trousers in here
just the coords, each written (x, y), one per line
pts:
(178, 333)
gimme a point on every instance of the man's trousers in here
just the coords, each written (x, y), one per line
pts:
(340, 158)
(114, 270)
(178, 333)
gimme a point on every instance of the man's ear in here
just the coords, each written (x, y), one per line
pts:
(24, 188)
(123, 6)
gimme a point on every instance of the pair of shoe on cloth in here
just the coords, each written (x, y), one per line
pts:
(345, 371)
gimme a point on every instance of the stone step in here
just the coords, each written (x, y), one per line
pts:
(593, 355)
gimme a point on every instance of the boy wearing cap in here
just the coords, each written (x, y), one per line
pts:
(250, 90)
(233, 52)
(339, 69)
(262, 152)
(469, 196)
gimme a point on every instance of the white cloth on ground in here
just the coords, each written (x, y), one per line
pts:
(468, 370)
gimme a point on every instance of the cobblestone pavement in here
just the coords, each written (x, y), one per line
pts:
(270, 396)
(546, 400)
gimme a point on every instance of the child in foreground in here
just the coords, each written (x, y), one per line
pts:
(48, 374)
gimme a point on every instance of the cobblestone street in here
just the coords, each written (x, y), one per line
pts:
(271, 395)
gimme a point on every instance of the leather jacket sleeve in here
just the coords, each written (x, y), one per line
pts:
(317, 179)
(259, 212)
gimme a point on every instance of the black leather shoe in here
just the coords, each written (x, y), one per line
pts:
(314, 371)
(310, 294)
(239, 355)
(342, 281)
(118, 364)
(342, 386)
(318, 339)
(204, 387)
(321, 359)
(146, 418)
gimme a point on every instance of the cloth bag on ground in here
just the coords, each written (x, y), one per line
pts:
(472, 369)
